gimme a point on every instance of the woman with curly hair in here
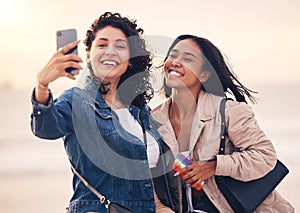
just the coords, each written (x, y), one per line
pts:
(106, 125)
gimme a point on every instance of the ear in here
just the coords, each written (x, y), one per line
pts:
(88, 59)
(204, 76)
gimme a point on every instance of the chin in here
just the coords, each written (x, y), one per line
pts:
(173, 83)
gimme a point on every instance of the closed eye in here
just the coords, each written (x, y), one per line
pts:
(173, 56)
(187, 59)
(102, 45)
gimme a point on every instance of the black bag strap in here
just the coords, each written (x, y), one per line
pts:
(223, 127)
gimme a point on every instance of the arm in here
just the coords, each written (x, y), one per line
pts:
(48, 119)
(256, 156)
(55, 68)
(53, 120)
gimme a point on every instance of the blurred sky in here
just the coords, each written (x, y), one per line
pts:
(260, 37)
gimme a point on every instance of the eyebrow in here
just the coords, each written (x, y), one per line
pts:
(186, 53)
(118, 40)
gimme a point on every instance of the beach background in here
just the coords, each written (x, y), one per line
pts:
(35, 175)
(259, 38)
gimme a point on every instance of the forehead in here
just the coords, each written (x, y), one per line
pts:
(188, 46)
(110, 33)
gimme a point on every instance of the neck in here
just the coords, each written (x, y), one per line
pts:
(184, 102)
(112, 98)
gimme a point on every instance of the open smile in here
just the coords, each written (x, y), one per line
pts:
(109, 63)
(175, 73)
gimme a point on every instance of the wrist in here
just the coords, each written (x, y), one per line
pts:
(40, 83)
(42, 88)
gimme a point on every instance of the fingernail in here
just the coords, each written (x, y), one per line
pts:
(176, 174)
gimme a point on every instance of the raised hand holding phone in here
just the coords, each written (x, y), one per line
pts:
(58, 66)
(63, 38)
(181, 162)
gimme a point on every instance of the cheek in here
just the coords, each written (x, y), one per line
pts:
(94, 55)
(166, 65)
(195, 70)
(125, 57)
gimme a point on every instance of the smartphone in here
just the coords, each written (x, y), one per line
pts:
(64, 37)
(182, 161)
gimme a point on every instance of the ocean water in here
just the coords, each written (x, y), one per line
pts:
(35, 176)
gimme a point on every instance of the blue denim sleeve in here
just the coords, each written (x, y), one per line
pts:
(53, 120)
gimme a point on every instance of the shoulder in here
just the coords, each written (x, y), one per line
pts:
(68, 92)
(71, 94)
(163, 106)
(156, 109)
(161, 112)
(239, 114)
(235, 107)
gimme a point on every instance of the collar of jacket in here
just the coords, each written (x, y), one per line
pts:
(101, 106)
(205, 109)
(93, 90)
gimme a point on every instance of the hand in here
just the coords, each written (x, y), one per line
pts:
(56, 67)
(195, 173)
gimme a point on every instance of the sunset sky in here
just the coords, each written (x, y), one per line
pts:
(260, 38)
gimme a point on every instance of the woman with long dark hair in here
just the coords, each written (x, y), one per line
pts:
(197, 78)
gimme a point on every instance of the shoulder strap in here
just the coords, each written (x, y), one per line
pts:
(84, 181)
(223, 127)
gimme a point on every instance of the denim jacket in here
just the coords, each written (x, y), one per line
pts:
(111, 159)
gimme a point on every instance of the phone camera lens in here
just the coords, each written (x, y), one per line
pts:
(58, 33)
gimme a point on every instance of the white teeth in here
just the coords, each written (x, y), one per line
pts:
(113, 63)
(174, 73)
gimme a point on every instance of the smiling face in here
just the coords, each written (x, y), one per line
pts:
(109, 54)
(183, 67)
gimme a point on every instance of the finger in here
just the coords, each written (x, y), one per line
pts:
(195, 183)
(68, 75)
(72, 57)
(188, 178)
(60, 51)
(198, 184)
(72, 64)
(180, 172)
(70, 46)
(184, 170)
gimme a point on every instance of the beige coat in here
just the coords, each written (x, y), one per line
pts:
(256, 156)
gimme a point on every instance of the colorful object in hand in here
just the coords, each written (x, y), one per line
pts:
(180, 162)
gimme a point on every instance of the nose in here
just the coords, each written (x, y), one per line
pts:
(110, 50)
(176, 63)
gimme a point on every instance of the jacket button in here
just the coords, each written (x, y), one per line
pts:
(39, 112)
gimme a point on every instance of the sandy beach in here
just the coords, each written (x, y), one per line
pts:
(35, 176)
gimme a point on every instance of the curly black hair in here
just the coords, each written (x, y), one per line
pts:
(134, 86)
